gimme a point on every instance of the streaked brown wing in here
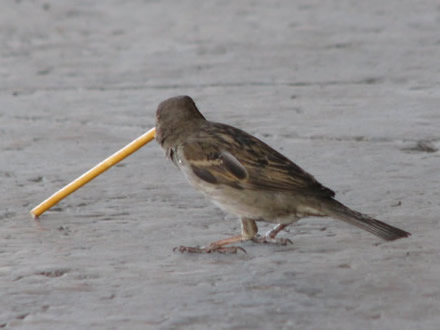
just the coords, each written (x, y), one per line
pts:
(212, 165)
(236, 158)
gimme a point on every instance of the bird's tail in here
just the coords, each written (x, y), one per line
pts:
(339, 211)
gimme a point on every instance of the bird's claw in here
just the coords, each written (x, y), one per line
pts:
(268, 240)
(209, 249)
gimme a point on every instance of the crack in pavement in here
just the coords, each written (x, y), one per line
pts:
(365, 81)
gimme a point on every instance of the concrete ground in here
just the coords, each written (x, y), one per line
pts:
(347, 89)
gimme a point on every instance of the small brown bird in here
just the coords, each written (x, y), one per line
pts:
(246, 177)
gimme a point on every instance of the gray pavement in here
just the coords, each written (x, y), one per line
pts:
(347, 89)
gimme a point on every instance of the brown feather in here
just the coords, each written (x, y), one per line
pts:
(267, 169)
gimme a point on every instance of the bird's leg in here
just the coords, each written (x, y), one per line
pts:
(269, 237)
(275, 230)
(249, 230)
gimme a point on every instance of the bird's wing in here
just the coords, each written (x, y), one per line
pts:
(234, 158)
(213, 165)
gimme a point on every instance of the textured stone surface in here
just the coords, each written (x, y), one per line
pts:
(347, 89)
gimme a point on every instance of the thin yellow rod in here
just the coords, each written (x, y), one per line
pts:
(94, 172)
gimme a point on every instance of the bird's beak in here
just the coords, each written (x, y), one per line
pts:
(94, 172)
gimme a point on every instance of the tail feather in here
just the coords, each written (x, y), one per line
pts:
(339, 211)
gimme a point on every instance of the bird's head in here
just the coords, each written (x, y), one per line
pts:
(175, 118)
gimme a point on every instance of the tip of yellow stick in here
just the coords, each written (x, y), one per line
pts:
(33, 215)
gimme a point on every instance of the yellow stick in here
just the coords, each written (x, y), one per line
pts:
(94, 172)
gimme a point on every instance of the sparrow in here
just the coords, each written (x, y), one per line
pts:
(246, 177)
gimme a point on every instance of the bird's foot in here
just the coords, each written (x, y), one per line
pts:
(269, 240)
(208, 249)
